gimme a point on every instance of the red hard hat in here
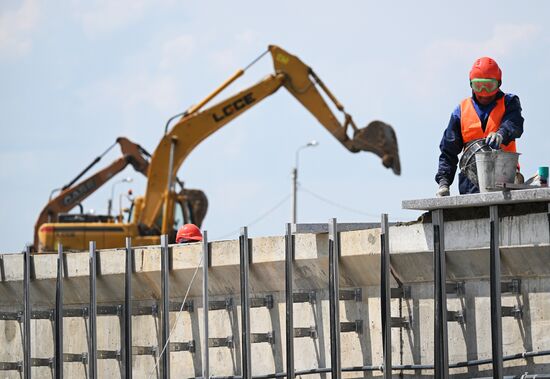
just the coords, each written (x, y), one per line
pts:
(188, 232)
(485, 68)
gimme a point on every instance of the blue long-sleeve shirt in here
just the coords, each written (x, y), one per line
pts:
(452, 144)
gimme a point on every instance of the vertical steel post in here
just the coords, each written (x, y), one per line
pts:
(294, 194)
(245, 304)
(58, 365)
(27, 314)
(441, 353)
(165, 311)
(334, 297)
(92, 314)
(127, 317)
(2, 271)
(385, 296)
(205, 266)
(289, 260)
(496, 311)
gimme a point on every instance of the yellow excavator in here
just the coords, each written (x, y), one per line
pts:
(154, 214)
(55, 215)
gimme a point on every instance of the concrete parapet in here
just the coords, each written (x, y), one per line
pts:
(525, 252)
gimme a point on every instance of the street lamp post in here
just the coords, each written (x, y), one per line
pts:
(295, 179)
(110, 202)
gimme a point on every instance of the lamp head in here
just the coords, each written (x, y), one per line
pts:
(312, 143)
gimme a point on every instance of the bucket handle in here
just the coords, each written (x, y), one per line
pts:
(463, 168)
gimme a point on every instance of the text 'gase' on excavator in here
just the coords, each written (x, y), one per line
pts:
(154, 214)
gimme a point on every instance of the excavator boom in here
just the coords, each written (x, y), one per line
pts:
(189, 132)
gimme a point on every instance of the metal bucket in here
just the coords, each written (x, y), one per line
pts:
(495, 167)
(468, 162)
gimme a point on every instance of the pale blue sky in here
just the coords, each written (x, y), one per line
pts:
(75, 75)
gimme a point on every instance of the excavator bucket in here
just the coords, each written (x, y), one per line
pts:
(379, 138)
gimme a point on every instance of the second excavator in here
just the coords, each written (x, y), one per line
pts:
(153, 214)
(77, 225)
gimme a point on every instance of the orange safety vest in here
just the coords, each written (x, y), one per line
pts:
(470, 124)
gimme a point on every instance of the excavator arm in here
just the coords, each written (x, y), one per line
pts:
(377, 137)
(196, 125)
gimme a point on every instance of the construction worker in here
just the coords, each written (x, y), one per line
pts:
(188, 233)
(489, 113)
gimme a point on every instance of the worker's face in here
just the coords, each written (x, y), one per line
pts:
(485, 100)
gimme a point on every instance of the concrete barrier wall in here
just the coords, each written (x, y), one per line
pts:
(525, 255)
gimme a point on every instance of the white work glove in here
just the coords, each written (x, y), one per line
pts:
(443, 190)
(494, 139)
